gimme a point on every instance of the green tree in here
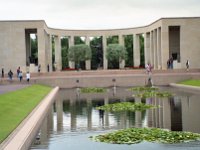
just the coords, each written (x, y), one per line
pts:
(97, 52)
(64, 45)
(128, 42)
(115, 53)
(112, 40)
(79, 53)
(78, 40)
(142, 61)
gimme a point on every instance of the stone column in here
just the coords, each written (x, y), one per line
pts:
(58, 58)
(136, 54)
(164, 46)
(151, 48)
(155, 48)
(121, 42)
(87, 62)
(49, 51)
(41, 50)
(147, 47)
(71, 43)
(159, 48)
(105, 61)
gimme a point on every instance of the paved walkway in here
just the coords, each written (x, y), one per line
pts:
(11, 87)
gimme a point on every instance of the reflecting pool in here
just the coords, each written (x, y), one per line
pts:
(73, 119)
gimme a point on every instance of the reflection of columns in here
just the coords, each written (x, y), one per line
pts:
(44, 131)
(105, 61)
(138, 119)
(41, 50)
(89, 114)
(88, 62)
(50, 118)
(157, 113)
(159, 56)
(161, 113)
(137, 99)
(147, 47)
(58, 59)
(71, 43)
(136, 54)
(138, 114)
(106, 113)
(59, 109)
(121, 42)
(164, 46)
(149, 113)
(166, 114)
(73, 114)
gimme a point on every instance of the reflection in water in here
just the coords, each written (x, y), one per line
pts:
(74, 113)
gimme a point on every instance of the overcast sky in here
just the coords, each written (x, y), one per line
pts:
(97, 14)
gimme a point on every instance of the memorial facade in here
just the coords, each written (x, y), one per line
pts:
(167, 37)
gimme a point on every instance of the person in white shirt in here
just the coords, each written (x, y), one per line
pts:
(28, 76)
(187, 65)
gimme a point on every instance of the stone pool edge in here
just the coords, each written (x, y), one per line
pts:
(196, 88)
(21, 138)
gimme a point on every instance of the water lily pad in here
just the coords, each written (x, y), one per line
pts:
(137, 135)
(125, 106)
(93, 90)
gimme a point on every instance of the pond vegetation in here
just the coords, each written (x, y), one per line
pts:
(93, 90)
(125, 106)
(147, 92)
(137, 135)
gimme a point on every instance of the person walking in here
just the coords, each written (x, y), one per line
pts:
(187, 65)
(28, 76)
(20, 76)
(10, 75)
(39, 67)
(18, 71)
(2, 73)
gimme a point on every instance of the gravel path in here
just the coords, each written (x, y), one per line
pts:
(14, 87)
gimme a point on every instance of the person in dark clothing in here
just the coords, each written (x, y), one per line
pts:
(2, 73)
(10, 74)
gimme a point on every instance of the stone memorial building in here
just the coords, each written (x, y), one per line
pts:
(167, 37)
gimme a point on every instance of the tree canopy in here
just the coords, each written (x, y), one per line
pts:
(115, 53)
(78, 53)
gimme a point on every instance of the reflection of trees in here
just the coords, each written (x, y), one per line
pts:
(176, 114)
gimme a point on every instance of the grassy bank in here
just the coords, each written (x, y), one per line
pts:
(191, 82)
(15, 106)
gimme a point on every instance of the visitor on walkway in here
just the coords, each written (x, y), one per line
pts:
(28, 76)
(39, 67)
(18, 71)
(2, 73)
(48, 67)
(187, 65)
(148, 68)
(20, 76)
(171, 62)
(10, 75)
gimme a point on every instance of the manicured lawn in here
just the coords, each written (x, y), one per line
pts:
(15, 106)
(191, 82)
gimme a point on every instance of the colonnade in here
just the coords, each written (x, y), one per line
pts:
(153, 49)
